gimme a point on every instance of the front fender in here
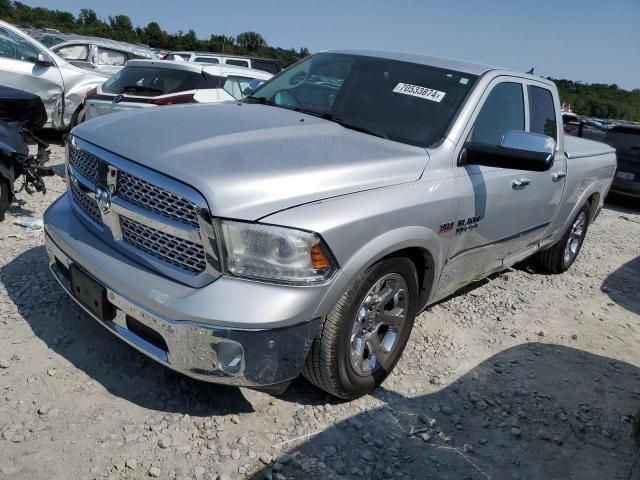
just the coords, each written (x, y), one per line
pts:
(77, 83)
(377, 249)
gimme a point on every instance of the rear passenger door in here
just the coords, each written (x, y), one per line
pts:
(542, 191)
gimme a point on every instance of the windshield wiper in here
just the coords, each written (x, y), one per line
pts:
(138, 88)
(342, 122)
(260, 100)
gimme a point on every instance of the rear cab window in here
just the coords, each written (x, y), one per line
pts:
(542, 112)
(152, 81)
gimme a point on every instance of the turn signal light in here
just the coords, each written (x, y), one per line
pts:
(318, 258)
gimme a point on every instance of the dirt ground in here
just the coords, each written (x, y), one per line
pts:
(523, 376)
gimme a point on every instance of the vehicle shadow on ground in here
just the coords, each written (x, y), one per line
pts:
(622, 203)
(616, 286)
(123, 371)
(534, 411)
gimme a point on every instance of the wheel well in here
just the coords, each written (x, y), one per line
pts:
(594, 202)
(425, 267)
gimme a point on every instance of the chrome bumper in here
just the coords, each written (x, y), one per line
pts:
(243, 357)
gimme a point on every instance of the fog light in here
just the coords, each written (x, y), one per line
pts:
(230, 357)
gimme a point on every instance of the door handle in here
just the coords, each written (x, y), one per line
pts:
(557, 176)
(520, 183)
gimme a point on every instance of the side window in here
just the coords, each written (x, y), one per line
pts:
(542, 113)
(209, 60)
(236, 85)
(503, 110)
(74, 52)
(238, 63)
(107, 56)
(13, 46)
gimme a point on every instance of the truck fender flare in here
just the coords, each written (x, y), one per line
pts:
(376, 249)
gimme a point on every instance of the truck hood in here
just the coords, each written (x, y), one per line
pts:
(250, 160)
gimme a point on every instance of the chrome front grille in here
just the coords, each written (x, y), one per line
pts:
(85, 202)
(176, 251)
(84, 162)
(156, 199)
(143, 213)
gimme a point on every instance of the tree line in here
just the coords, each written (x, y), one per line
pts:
(596, 100)
(120, 27)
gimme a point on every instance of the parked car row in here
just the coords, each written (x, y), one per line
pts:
(72, 94)
(266, 64)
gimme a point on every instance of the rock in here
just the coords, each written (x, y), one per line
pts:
(4, 363)
(515, 431)
(368, 455)
(164, 442)
(153, 472)
(265, 458)
(8, 468)
(468, 448)
(44, 409)
(330, 450)
(235, 419)
(235, 454)
(131, 463)
(51, 372)
(223, 476)
(224, 450)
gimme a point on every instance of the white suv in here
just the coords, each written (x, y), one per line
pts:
(269, 65)
(150, 83)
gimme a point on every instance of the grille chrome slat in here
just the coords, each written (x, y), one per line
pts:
(85, 162)
(158, 200)
(86, 203)
(180, 253)
(158, 218)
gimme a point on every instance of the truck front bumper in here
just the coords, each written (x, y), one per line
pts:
(187, 329)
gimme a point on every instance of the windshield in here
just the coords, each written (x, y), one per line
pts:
(405, 102)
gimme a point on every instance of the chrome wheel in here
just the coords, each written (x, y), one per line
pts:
(379, 322)
(575, 238)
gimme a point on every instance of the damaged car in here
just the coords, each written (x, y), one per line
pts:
(21, 113)
(28, 65)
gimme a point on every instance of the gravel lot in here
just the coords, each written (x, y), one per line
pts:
(523, 376)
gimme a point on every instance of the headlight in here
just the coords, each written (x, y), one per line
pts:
(273, 253)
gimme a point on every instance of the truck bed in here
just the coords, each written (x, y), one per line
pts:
(576, 147)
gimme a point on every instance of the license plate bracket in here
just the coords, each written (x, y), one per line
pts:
(90, 294)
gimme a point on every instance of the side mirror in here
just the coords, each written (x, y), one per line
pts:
(44, 60)
(517, 150)
(253, 86)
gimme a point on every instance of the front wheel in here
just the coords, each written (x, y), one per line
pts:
(79, 117)
(361, 340)
(561, 256)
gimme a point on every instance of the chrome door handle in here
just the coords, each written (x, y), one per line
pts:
(520, 183)
(557, 176)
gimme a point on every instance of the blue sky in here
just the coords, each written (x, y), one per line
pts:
(588, 40)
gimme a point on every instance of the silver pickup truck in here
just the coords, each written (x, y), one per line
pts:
(303, 228)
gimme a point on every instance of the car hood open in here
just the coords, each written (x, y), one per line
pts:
(250, 160)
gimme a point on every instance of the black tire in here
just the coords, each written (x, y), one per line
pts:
(78, 117)
(329, 365)
(5, 197)
(553, 259)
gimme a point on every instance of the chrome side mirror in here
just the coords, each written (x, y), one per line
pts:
(531, 142)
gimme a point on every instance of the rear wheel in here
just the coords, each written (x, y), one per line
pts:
(361, 340)
(561, 256)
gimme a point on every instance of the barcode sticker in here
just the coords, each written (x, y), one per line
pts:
(420, 92)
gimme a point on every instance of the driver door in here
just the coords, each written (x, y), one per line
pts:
(19, 69)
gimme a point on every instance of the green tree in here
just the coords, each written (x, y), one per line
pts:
(252, 41)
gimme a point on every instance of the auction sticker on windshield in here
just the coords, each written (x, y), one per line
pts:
(420, 92)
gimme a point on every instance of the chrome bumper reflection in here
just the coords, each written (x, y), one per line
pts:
(252, 358)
